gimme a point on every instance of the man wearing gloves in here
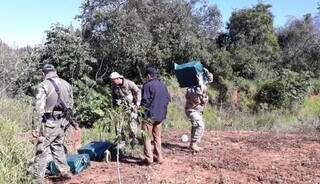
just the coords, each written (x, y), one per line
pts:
(125, 93)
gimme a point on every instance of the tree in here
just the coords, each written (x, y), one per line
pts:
(10, 60)
(300, 43)
(253, 41)
(128, 35)
(65, 49)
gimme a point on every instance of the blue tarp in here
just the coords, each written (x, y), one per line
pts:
(77, 163)
(96, 149)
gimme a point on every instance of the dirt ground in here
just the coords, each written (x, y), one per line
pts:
(228, 157)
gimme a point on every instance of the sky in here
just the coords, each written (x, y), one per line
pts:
(24, 22)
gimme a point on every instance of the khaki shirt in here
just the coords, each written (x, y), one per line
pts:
(126, 94)
(46, 97)
(196, 98)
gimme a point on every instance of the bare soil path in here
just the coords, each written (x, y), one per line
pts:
(228, 157)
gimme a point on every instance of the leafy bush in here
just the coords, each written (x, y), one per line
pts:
(310, 107)
(91, 102)
(65, 49)
(315, 87)
(9, 61)
(247, 90)
(286, 91)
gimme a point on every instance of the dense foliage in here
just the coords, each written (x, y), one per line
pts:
(128, 35)
(65, 49)
(253, 62)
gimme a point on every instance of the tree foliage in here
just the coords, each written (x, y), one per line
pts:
(287, 90)
(128, 35)
(252, 40)
(10, 60)
(65, 49)
(300, 43)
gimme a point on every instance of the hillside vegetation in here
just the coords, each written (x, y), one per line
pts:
(266, 78)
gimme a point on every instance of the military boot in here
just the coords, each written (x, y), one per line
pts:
(194, 147)
(65, 176)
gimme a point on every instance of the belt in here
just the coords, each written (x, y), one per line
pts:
(56, 115)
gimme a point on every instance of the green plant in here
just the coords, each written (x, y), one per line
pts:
(15, 151)
(287, 90)
(15, 148)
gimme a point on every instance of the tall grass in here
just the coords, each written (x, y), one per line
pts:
(305, 117)
(15, 149)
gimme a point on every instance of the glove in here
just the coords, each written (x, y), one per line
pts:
(208, 75)
(35, 133)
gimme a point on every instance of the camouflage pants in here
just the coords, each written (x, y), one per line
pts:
(50, 147)
(197, 125)
(133, 123)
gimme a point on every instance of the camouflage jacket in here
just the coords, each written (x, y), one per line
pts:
(46, 97)
(196, 98)
(127, 94)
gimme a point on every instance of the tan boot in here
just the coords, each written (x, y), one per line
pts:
(195, 147)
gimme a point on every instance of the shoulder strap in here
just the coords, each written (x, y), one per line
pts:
(56, 88)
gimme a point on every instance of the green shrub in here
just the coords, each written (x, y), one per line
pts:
(311, 106)
(247, 89)
(15, 150)
(91, 102)
(315, 89)
(286, 91)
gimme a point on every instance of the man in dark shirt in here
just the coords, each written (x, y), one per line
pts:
(155, 100)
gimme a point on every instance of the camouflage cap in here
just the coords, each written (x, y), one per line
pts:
(47, 68)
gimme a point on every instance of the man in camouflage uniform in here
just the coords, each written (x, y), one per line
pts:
(49, 127)
(196, 99)
(126, 93)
